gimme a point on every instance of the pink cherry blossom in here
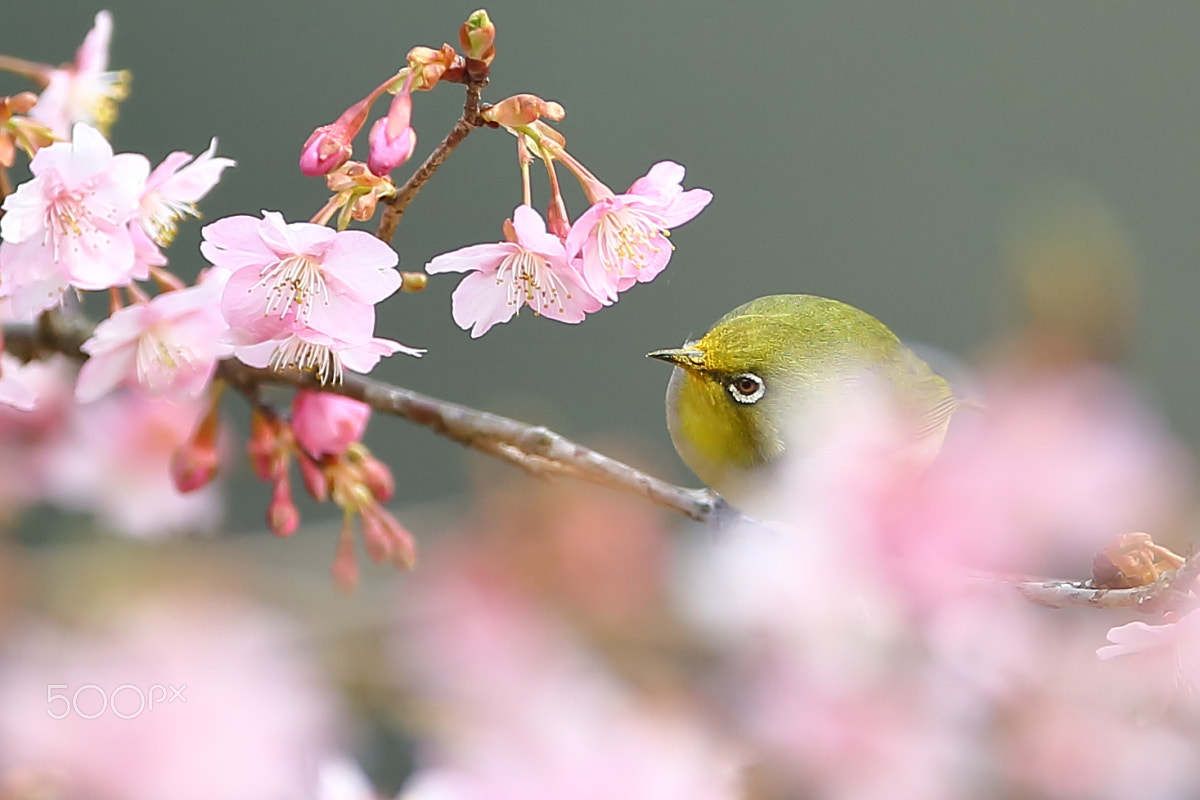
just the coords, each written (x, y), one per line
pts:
(530, 713)
(43, 389)
(530, 268)
(302, 295)
(85, 91)
(113, 460)
(15, 389)
(241, 712)
(168, 346)
(174, 188)
(325, 356)
(622, 239)
(326, 424)
(1174, 648)
(67, 226)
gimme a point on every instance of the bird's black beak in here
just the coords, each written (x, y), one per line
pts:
(687, 357)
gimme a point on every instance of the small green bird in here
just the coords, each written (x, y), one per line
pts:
(734, 390)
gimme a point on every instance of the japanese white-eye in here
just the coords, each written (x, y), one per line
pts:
(734, 391)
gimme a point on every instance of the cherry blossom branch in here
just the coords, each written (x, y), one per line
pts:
(534, 448)
(395, 206)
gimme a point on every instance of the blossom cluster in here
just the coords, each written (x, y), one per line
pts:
(621, 240)
(276, 295)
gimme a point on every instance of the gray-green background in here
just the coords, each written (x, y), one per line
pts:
(866, 151)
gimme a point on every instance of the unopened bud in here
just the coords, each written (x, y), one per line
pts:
(315, 482)
(428, 66)
(328, 147)
(375, 536)
(20, 103)
(521, 110)
(282, 515)
(194, 464)
(378, 478)
(324, 151)
(477, 37)
(345, 565)
(363, 208)
(392, 138)
(262, 446)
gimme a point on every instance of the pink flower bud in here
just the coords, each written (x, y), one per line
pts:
(392, 138)
(375, 537)
(404, 548)
(326, 424)
(329, 146)
(378, 478)
(324, 152)
(345, 565)
(194, 464)
(314, 478)
(401, 548)
(263, 447)
(282, 515)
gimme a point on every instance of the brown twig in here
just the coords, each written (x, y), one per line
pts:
(534, 448)
(1172, 589)
(395, 206)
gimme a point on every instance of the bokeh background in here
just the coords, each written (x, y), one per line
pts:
(874, 152)
(909, 159)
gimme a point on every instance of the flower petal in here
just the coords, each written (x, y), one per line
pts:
(483, 257)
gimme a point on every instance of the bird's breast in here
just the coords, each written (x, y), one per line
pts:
(715, 441)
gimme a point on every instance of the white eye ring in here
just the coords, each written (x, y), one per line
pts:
(746, 388)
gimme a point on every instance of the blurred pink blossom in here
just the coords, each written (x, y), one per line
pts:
(532, 715)
(1168, 653)
(113, 460)
(530, 268)
(168, 346)
(15, 389)
(869, 620)
(27, 436)
(85, 91)
(250, 720)
(67, 225)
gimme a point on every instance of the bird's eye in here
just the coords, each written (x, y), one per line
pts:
(747, 388)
